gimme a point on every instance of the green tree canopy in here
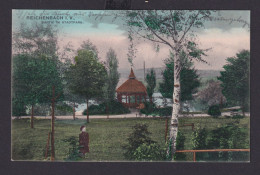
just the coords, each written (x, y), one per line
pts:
(189, 79)
(235, 80)
(87, 76)
(33, 78)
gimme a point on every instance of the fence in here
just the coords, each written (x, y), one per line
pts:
(211, 150)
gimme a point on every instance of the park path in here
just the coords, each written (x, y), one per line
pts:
(131, 115)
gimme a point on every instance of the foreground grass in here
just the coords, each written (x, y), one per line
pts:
(107, 136)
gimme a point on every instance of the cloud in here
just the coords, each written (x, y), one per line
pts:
(224, 44)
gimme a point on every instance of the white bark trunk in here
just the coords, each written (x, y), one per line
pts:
(176, 105)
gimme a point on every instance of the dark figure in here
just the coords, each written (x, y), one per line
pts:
(83, 141)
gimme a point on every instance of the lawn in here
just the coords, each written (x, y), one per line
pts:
(107, 136)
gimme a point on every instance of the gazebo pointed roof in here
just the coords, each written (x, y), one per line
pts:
(132, 75)
(132, 85)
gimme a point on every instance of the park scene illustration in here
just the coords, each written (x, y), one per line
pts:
(130, 85)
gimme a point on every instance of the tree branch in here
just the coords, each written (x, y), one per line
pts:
(186, 31)
(163, 40)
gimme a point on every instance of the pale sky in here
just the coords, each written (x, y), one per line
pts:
(224, 38)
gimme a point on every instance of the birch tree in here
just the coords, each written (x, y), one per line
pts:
(175, 29)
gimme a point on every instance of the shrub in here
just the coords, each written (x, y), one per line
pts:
(199, 137)
(237, 116)
(149, 109)
(214, 111)
(227, 116)
(114, 107)
(226, 137)
(18, 108)
(180, 146)
(167, 111)
(63, 109)
(139, 136)
(148, 152)
(41, 110)
(73, 153)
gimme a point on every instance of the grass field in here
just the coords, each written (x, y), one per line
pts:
(106, 135)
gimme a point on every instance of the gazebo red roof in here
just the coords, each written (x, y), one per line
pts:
(132, 85)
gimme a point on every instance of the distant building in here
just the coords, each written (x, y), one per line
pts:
(132, 92)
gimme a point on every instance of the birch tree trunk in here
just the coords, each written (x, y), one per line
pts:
(176, 105)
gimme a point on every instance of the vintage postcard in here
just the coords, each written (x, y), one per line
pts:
(130, 85)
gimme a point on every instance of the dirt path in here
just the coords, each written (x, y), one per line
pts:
(131, 115)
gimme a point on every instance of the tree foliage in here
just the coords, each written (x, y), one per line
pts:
(151, 83)
(235, 80)
(188, 77)
(87, 75)
(33, 78)
(35, 39)
(35, 66)
(112, 74)
(212, 94)
(139, 136)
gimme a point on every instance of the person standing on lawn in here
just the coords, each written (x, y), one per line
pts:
(83, 141)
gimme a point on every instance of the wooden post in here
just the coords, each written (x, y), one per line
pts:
(47, 145)
(87, 113)
(74, 111)
(52, 124)
(32, 117)
(166, 128)
(107, 111)
(194, 156)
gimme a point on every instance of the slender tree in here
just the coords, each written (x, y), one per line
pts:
(87, 76)
(112, 78)
(151, 83)
(174, 28)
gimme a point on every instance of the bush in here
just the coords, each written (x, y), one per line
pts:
(199, 137)
(227, 116)
(214, 111)
(167, 111)
(41, 110)
(227, 137)
(18, 108)
(139, 136)
(237, 116)
(63, 109)
(180, 146)
(73, 153)
(148, 152)
(149, 109)
(114, 107)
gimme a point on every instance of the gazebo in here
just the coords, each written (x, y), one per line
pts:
(132, 92)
